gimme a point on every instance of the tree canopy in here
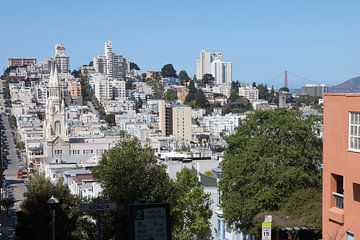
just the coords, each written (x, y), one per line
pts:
(272, 154)
(130, 174)
(34, 217)
(196, 97)
(110, 119)
(207, 79)
(168, 71)
(184, 77)
(170, 95)
(134, 66)
(192, 208)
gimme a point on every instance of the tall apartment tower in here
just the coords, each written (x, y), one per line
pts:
(175, 120)
(203, 65)
(109, 59)
(221, 71)
(111, 64)
(341, 158)
(61, 59)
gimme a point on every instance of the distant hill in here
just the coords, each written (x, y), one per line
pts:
(350, 86)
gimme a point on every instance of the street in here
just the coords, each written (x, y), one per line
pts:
(14, 187)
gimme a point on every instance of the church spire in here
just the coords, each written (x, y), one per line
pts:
(54, 84)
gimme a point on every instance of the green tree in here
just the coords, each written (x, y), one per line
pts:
(34, 217)
(192, 92)
(170, 95)
(168, 71)
(207, 79)
(134, 66)
(192, 208)
(20, 145)
(12, 121)
(184, 77)
(130, 174)
(200, 99)
(234, 92)
(272, 154)
(302, 208)
(284, 89)
(110, 119)
(76, 73)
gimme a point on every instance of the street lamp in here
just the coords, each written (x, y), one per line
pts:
(52, 202)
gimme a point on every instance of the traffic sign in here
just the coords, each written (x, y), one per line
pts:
(266, 231)
(151, 221)
(97, 207)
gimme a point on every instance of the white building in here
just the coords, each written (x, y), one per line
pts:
(224, 89)
(62, 59)
(112, 64)
(203, 65)
(221, 71)
(107, 88)
(249, 92)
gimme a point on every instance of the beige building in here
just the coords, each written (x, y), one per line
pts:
(74, 88)
(18, 62)
(249, 92)
(175, 120)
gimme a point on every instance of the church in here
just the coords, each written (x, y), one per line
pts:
(57, 140)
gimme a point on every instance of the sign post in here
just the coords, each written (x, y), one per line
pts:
(98, 206)
(151, 221)
(266, 228)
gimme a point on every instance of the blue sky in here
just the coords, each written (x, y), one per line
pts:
(316, 39)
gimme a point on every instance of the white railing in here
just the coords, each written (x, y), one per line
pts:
(339, 200)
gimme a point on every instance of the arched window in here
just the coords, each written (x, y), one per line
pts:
(57, 127)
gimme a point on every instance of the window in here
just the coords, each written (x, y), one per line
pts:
(354, 131)
(349, 236)
(339, 190)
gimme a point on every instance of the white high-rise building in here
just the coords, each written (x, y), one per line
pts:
(109, 59)
(61, 59)
(111, 64)
(99, 63)
(108, 89)
(221, 71)
(203, 65)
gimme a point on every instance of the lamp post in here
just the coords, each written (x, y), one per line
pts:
(52, 202)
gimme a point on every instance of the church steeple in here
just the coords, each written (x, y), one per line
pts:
(55, 126)
(54, 84)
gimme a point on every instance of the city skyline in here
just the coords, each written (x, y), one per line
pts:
(317, 40)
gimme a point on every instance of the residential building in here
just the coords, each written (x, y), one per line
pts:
(221, 71)
(314, 90)
(112, 64)
(18, 62)
(203, 65)
(61, 59)
(175, 120)
(249, 92)
(341, 178)
(74, 88)
(107, 88)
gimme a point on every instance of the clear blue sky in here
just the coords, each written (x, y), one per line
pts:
(319, 40)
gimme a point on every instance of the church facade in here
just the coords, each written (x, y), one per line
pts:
(56, 140)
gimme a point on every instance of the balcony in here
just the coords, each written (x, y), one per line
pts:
(339, 200)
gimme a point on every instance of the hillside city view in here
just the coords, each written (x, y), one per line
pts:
(167, 120)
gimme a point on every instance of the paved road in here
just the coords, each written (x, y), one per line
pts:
(13, 159)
